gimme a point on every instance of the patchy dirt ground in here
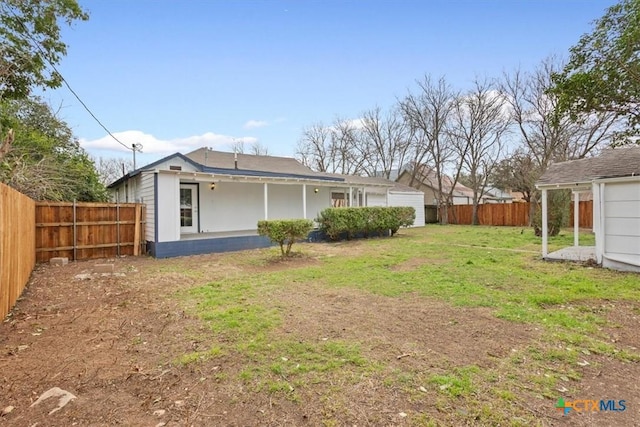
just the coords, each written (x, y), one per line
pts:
(112, 341)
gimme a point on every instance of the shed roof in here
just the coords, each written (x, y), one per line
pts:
(610, 163)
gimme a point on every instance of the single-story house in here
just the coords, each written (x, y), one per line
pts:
(211, 201)
(613, 177)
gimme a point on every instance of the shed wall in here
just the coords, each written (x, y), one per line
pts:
(622, 221)
(415, 200)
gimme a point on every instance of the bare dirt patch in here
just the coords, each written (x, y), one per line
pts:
(426, 332)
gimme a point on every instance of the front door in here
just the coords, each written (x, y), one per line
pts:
(188, 208)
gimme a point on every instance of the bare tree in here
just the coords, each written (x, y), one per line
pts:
(257, 149)
(333, 149)
(313, 147)
(479, 122)
(547, 135)
(427, 112)
(237, 146)
(112, 169)
(345, 153)
(385, 142)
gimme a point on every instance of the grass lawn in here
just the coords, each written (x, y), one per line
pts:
(442, 325)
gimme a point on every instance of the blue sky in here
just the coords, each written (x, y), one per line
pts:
(178, 75)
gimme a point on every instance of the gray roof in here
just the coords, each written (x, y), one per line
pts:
(610, 163)
(220, 159)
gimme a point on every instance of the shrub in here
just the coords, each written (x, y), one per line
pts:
(285, 232)
(558, 210)
(338, 223)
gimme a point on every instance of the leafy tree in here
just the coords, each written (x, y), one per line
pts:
(44, 159)
(30, 43)
(603, 72)
(518, 172)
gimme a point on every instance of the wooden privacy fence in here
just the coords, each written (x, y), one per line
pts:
(17, 245)
(512, 214)
(88, 230)
(585, 210)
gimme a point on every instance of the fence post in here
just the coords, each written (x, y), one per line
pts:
(118, 227)
(136, 231)
(75, 233)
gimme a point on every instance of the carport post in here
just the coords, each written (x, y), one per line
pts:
(545, 227)
(576, 219)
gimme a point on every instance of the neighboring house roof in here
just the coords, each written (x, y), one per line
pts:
(497, 193)
(429, 178)
(517, 196)
(610, 163)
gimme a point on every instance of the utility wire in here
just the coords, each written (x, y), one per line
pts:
(133, 148)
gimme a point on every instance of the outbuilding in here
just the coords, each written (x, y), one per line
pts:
(614, 179)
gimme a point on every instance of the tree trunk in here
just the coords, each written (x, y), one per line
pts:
(474, 214)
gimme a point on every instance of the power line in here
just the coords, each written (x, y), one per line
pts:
(133, 147)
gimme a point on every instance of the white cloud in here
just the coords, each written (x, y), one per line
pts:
(254, 124)
(153, 145)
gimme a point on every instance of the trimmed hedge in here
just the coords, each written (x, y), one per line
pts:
(285, 231)
(351, 222)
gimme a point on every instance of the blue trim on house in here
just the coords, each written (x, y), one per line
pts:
(206, 246)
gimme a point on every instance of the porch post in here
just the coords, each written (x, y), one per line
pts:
(364, 196)
(386, 197)
(304, 201)
(350, 196)
(266, 202)
(576, 219)
(545, 226)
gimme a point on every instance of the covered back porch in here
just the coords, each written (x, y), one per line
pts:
(201, 212)
(575, 253)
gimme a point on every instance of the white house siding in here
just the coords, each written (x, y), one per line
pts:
(285, 201)
(231, 206)
(415, 200)
(377, 199)
(622, 222)
(316, 202)
(168, 208)
(147, 197)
